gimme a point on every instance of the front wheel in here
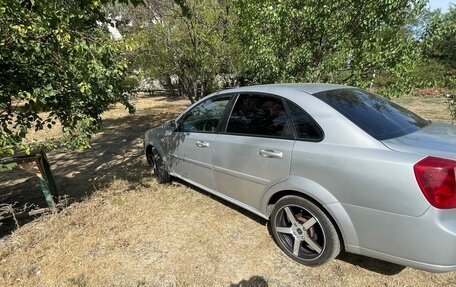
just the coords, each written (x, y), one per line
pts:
(303, 231)
(158, 166)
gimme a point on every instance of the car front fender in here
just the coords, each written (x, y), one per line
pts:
(155, 137)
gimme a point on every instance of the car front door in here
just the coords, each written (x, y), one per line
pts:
(255, 149)
(191, 145)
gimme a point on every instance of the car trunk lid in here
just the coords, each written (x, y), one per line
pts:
(436, 139)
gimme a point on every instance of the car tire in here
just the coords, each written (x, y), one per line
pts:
(158, 166)
(303, 231)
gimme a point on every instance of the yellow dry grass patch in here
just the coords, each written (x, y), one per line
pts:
(145, 234)
(432, 108)
(144, 106)
(134, 232)
(126, 235)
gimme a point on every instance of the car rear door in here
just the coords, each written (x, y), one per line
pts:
(191, 145)
(254, 151)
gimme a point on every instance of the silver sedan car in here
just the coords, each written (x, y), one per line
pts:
(331, 167)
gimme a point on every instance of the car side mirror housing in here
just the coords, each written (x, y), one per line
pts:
(170, 125)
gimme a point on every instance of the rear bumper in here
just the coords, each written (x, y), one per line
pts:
(427, 242)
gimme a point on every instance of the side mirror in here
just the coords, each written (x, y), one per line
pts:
(170, 125)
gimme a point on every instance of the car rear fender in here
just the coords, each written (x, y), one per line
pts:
(318, 193)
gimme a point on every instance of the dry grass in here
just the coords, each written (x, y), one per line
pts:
(432, 108)
(134, 232)
(149, 234)
(145, 234)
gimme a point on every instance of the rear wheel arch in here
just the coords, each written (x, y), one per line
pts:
(283, 193)
(296, 185)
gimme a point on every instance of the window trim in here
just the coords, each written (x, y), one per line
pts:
(181, 118)
(319, 128)
(227, 114)
(284, 100)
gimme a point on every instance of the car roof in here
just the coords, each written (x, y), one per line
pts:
(309, 88)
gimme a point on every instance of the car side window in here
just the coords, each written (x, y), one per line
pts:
(206, 116)
(262, 115)
(306, 128)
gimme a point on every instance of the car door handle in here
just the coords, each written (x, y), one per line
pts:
(202, 144)
(271, 153)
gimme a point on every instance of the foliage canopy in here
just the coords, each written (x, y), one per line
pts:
(192, 44)
(353, 42)
(57, 64)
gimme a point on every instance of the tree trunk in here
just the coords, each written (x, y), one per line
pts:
(170, 87)
(195, 91)
(203, 89)
(186, 87)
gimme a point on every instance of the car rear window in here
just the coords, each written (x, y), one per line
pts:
(380, 118)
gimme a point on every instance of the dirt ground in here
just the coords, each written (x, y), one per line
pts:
(126, 230)
(115, 154)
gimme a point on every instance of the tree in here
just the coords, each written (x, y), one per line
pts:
(436, 67)
(57, 64)
(361, 43)
(191, 41)
(438, 42)
(439, 38)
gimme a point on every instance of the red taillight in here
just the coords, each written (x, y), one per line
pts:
(437, 180)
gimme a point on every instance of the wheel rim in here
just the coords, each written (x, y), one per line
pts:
(300, 232)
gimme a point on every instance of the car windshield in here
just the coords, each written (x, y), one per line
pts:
(380, 118)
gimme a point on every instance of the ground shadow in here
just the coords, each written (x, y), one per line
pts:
(371, 264)
(17, 198)
(228, 204)
(368, 263)
(255, 281)
(116, 153)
